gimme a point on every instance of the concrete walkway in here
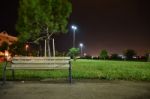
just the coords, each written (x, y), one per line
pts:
(77, 90)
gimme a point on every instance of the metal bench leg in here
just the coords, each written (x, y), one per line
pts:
(4, 72)
(70, 76)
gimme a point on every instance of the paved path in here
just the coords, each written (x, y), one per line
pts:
(77, 90)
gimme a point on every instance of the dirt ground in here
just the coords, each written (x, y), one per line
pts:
(77, 90)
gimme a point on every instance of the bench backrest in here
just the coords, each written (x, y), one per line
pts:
(40, 63)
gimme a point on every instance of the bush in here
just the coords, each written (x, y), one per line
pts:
(73, 52)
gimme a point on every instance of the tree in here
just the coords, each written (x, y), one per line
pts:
(147, 55)
(42, 16)
(129, 53)
(40, 19)
(115, 56)
(4, 46)
(148, 58)
(103, 54)
(17, 48)
(73, 52)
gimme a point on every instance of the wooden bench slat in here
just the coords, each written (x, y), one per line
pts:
(43, 58)
(40, 62)
(38, 65)
(38, 68)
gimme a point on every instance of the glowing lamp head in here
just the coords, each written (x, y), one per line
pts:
(74, 27)
(81, 45)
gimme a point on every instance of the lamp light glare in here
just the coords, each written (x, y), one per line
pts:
(74, 27)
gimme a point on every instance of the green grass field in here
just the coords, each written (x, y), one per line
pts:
(91, 69)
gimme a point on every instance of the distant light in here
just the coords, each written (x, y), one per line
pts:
(73, 27)
(27, 46)
(134, 57)
(6, 53)
(84, 54)
(81, 44)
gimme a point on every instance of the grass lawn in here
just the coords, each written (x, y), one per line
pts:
(91, 69)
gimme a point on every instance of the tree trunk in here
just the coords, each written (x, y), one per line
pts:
(45, 49)
(53, 48)
(148, 58)
(48, 45)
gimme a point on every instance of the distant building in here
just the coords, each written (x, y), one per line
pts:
(4, 37)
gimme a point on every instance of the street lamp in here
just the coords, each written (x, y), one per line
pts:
(74, 30)
(81, 47)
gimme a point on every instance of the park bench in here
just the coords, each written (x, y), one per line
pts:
(37, 63)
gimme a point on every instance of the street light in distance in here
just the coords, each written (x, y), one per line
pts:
(81, 49)
(74, 30)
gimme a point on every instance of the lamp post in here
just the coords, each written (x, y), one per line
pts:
(81, 48)
(74, 30)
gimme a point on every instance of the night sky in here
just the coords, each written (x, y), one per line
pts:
(114, 25)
